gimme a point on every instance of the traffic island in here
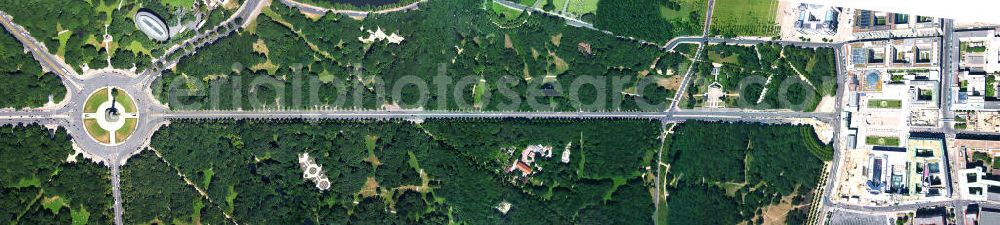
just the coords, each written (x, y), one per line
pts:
(110, 116)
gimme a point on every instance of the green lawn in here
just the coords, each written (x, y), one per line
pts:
(125, 101)
(178, 3)
(54, 203)
(477, 93)
(558, 5)
(684, 13)
(207, 177)
(882, 141)
(580, 7)
(96, 131)
(715, 57)
(745, 18)
(964, 47)
(63, 37)
(137, 48)
(95, 100)
(126, 130)
(507, 13)
(991, 89)
(885, 103)
(230, 197)
(527, 3)
(79, 216)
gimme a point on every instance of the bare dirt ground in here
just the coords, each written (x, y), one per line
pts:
(671, 83)
(827, 104)
(370, 189)
(775, 214)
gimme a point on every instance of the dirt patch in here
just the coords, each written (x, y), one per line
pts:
(373, 160)
(506, 42)
(312, 16)
(560, 65)
(231, 4)
(827, 104)
(556, 39)
(370, 189)
(670, 83)
(424, 184)
(260, 47)
(527, 74)
(775, 214)
(267, 65)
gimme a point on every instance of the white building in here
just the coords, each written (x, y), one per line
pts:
(817, 19)
(314, 172)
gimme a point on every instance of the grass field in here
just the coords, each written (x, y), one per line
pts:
(63, 37)
(137, 48)
(883, 141)
(684, 13)
(100, 96)
(178, 3)
(125, 101)
(96, 131)
(715, 57)
(559, 5)
(54, 203)
(580, 7)
(991, 89)
(477, 93)
(79, 216)
(745, 18)
(885, 103)
(126, 130)
(507, 13)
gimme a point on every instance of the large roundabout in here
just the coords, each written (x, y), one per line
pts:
(110, 115)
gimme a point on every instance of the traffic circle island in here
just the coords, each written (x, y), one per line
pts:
(110, 115)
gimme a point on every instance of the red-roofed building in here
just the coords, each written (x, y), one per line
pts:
(524, 168)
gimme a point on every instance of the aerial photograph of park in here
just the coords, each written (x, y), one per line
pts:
(665, 112)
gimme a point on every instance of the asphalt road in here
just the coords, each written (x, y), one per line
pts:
(569, 20)
(838, 125)
(49, 62)
(686, 80)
